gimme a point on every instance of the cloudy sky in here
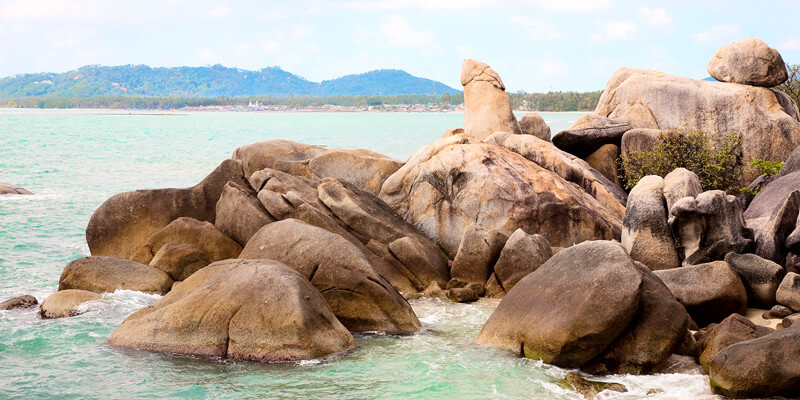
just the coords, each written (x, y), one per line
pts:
(534, 45)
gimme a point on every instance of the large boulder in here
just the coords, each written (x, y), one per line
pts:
(568, 310)
(788, 293)
(361, 299)
(7, 188)
(521, 255)
(680, 183)
(763, 367)
(477, 254)
(533, 124)
(101, 274)
(122, 224)
(749, 62)
(754, 114)
(282, 155)
(204, 235)
(588, 133)
(645, 232)
(452, 183)
(239, 213)
(259, 310)
(487, 108)
(23, 301)
(772, 215)
(734, 329)
(760, 277)
(710, 292)
(363, 168)
(64, 303)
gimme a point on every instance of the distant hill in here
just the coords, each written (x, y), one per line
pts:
(214, 81)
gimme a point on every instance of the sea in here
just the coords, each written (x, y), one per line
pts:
(75, 159)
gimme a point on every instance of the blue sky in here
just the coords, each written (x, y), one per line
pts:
(534, 45)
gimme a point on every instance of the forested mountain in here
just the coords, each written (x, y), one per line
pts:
(214, 81)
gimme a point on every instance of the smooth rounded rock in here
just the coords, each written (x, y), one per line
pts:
(215, 244)
(749, 62)
(64, 303)
(533, 124)
(101, 274)
(521, 255)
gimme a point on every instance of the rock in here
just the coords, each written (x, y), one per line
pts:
(521, 255)
(754, 114)
(101, 274)
(778, 312)
(23, 301)
(64, 303)
(567, 166)
(748, 62)
(680, 183)
(258, 310)
(717, 218)
(215, 244)
(659, 327)
(462, 295)
(788, 292)
(493, 289)
(731, 330)
(122, 224)
(590, 389)
(359, 297)
(760, 277)
(763, 367)
(542, 317)
(7, 188)
(533, 124)
(605, 160)
(282, 155)
(453, 132)
(710, 292)
(450, 184)
(645, 233)
(589, 133)
(180, 260)
(363, 168)
(487, 108)
(680, 364)
(435, 291)
(477, 254)
(773, 226)
(239, 213)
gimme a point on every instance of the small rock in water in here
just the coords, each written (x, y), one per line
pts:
(18, 302)
(64, 303)
(590, 389)
(7, 188)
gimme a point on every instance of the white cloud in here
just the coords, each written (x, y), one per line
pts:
(574, 5)
(537, 29)
(399, 33)
(656, 16)
(614, 30)
(219, 12)
(418, 4)
(716, 34)
(789, 45)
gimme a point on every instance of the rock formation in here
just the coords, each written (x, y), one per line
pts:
(748, 62)
(487, 108)
(101, 274)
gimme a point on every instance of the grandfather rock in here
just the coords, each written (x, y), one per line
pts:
(521, 255)
(760, 277)
(749, 62)
(645, 232)
(487, 108)
(533, 124)
(64, 303)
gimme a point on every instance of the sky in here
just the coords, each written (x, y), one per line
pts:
(535, 45)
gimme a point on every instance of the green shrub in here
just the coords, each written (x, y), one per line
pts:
(715, 159)
(766, 167)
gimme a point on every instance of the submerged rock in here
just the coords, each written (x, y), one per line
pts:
(487, 108)
(64, 303)
(7, 188)
(19, 302)
(749, 62)
(101, 274)
(258, 310)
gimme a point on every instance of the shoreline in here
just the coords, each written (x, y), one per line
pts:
(180, 110)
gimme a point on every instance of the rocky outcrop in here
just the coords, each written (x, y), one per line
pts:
(239, 213)
(589, 133)
(64, 303)
(282, 155)
(521, 255)
(748, 62)
(363, 168)
(7, 188)
(204, 235)
(258, 310)
(101, 274)
(477, 254)
(122, 224)
(23, 301)
(731, 330)
(452, 183)
(645, 232)
(754, 114)
(487, 108)
(760, 277)
(536, 319)
(788, 293)
(359, 297)
(710, 292)
(533, 124)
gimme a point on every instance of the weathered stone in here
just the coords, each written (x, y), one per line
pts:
(453, 132)
(282, 155)
(487, 108)
(7, 188)
(215, 244)
(568, 311)
(462, 295)
(477, 254)
(365, 169)
(451, 184)
(760, 277)
(645, 232)
(777, 312)
(710, 292)
(122, 224)
(435, 291)
(180, 260)
(64, 303)
(788, 292)
(533, 124)
(521, 255)
(239, 213)
(258, 310)
(361, 299)
(589, 133)
(680, 183)
(731, 330)
(18, 302)
(101, 274)
(748, 62)
(772, 227)
(605, 160)
(590, 389)
(493, 288)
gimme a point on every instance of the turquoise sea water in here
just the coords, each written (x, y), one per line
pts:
(74, 160)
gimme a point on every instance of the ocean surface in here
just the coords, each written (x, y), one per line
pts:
(74, 160)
